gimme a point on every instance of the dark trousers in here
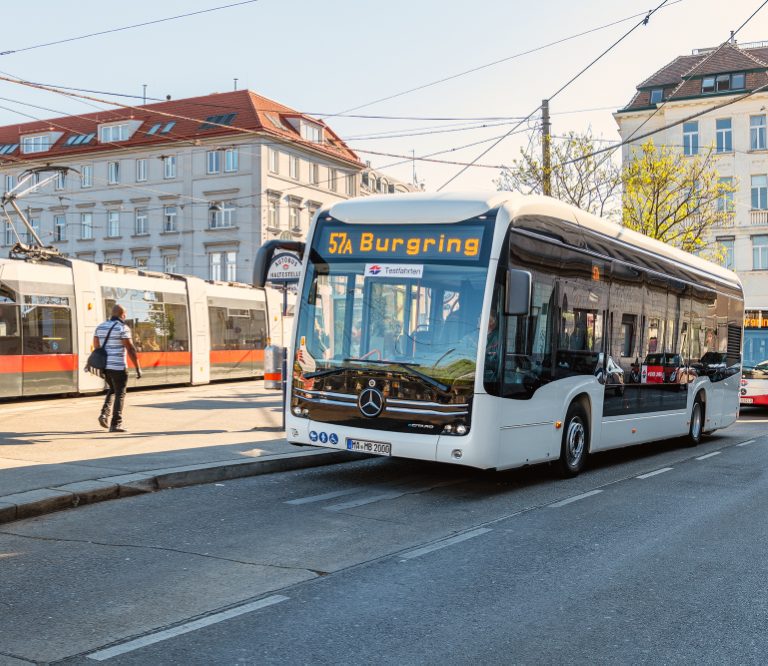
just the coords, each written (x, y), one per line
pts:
(117, 381)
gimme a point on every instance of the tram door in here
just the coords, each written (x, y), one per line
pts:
(48, 362)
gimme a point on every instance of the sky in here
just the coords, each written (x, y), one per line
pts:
(327, 58)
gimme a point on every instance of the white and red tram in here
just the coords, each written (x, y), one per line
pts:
(185, 329)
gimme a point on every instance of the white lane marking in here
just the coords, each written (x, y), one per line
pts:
(445, 543)
(574, 499)
(709, 455)
(654, 473)
(392, 494)
(749, 441)
(324, 496)
(151, 639)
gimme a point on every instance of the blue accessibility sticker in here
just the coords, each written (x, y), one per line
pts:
(313, 435)
(333, 438)
(323, 437)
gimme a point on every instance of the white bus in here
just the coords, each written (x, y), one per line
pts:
(500, 330)
(754, 382)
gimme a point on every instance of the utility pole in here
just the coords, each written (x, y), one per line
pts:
(546, 158)
(144, 85)
(235, 84)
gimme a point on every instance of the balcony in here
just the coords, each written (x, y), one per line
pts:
(758, 217)
(725, 221)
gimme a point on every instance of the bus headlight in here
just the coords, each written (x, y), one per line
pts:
(461, 429)
(297, 410)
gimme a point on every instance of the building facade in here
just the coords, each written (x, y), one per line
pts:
(190, 186)
(735, 79)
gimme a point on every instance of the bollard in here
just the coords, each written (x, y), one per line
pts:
(273, 371)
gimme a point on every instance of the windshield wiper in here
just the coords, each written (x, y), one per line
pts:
(325, 373)
(407, 366)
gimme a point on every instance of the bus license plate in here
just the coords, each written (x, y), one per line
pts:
(365, 446)
(747, 401)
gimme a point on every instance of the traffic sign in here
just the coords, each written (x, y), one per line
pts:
(285, 268)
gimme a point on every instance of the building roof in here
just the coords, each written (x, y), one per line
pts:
(232, 114)
(687, 72)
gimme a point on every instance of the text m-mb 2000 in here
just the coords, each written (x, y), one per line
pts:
(365, 446)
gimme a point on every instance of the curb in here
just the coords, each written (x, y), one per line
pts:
(47, 500)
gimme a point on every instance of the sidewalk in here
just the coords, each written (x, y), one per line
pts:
(54, 455)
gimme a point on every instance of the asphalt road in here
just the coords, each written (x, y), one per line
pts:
(656, 554)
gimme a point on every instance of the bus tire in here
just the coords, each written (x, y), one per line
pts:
(575, 443)
(696, 427)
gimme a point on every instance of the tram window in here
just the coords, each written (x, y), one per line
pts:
(258, 329)
(10, 341)
(176, 327)
(218, 324)
(47, 330)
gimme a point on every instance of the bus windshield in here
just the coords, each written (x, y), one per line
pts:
(417, 313)
(756, 349)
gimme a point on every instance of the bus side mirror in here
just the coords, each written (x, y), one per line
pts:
(518, 300)
(264, 256)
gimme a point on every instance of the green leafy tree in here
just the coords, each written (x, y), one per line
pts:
(675, 198)
(578, 177)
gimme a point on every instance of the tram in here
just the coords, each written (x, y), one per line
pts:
(186, 330)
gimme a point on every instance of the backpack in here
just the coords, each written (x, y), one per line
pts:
(97, 361)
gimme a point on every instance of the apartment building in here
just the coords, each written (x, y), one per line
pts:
(729, 88)
(190, 186)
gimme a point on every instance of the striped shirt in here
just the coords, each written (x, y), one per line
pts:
(116, 351)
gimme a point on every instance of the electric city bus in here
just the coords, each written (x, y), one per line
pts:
(498, 330)
(754, 382)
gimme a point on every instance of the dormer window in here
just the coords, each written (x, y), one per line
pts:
(38, 143)
(723, 82)
(311, 132)
(657, 95)
(112, 133)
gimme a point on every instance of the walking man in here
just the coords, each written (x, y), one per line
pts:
(115, 337)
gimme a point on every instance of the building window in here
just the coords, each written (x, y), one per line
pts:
(313, 133)
(113, 173)
(657, 95)
(61, 180)
(759, 192)
(141, 170)
(723, 135)
(314, 173)
(213, 161)
(333, 183)
(86, 175)
(34, 222)
(112, 133)
(725, 200)
(223, 266)
(59, 228)
(222, 215)
(10, 236)
(723, 82)
(141, 261)
(112, 258)
(351, 184)
(691, 138)
(273, 221)
(142, 222)
(231, 160)
(759, 252)
(293, 218)
(39, 143)
(757, 132)
(169, 218)
(113, 224)
(293, 167)
(726, 246)
(311, 212)
(10, 183)
(170, 263)
(86, 226)
(274, 161)
(169, 166)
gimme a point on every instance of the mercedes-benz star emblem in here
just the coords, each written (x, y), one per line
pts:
(371, 402)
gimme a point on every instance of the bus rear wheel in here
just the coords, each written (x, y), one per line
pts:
(696, 427)
(575, 444)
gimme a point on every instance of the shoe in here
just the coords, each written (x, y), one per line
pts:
(117, 429)
(104, 421)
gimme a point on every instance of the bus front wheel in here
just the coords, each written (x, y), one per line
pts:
(575, 444)
(697, 422)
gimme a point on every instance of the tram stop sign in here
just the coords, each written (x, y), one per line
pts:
(285, 269)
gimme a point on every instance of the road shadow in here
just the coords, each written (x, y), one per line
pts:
(208, 404)
(43, 436)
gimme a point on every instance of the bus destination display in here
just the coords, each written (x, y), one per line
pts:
(424, 242)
